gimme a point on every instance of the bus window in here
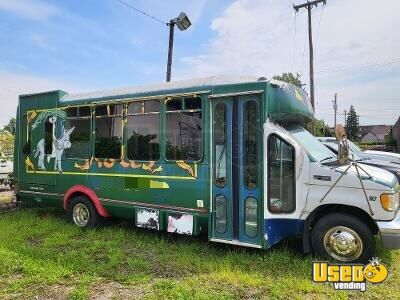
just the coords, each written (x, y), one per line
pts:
(251, 129)
(184, 132)
(221, 214)
(220, 145)
(174, 104)
(192, 103)
(143, 130)
(108, 131)
(78, 117)
(281, 176)
(251, 217)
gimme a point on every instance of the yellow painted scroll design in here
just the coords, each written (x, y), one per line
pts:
(186, 167)
(298, 95)
(29, 164)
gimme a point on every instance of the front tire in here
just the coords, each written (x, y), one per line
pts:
(343, 238)
(83, 213)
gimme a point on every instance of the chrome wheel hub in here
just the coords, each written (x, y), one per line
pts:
(80, 214)
(343, 243)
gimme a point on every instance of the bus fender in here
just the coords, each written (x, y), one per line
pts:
(81, 189)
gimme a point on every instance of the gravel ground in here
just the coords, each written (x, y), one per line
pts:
(6, 195)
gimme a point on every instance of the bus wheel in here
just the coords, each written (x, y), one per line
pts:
(343, 238)
(82, 212)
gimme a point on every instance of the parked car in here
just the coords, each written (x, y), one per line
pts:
(370, 154)
(383, 164)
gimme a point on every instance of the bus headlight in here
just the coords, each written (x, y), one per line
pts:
(390, 202)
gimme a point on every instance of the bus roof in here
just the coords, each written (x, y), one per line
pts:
(207, 82)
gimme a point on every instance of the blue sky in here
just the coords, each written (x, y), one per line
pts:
(82, 45)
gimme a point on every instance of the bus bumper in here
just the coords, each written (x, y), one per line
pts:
(390, 233)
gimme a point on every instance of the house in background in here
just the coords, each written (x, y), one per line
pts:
(374, 134)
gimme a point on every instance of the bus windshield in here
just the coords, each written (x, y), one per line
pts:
(316, 150)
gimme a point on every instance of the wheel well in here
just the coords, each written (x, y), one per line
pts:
(347, 209)
(333, 208)
(77, 194)
(84, 191)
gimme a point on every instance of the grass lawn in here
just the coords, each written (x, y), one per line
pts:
(42, 255)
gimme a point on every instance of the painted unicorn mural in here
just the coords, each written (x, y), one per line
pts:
(58, 147)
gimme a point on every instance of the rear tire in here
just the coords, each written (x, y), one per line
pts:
(83, 213)
(343, 238)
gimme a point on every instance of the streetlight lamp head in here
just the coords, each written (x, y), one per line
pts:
(183, 21)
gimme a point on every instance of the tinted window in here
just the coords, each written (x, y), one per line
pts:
(184, 135)
(220, 145)
(80, 138)
(193, 103)
(251, 218)
(108, 131)
(174, 104)
(135, 108)
(72, 112)
(251, 137)
(84, 111)
(221, 213)
(78, 117)
(281, 176)
(143, 131)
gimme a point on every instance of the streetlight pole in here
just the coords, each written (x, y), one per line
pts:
(171, 25)
(183, 23)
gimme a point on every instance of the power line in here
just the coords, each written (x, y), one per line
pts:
(142, 12)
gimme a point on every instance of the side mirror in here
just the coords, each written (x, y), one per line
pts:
(343, 149)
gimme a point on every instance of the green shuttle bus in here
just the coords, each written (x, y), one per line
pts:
(222, 155)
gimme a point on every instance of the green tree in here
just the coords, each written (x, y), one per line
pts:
(321, 129)
(6, 143)
(290, 78)
(389, 139)
(352, 127)
(10, 127)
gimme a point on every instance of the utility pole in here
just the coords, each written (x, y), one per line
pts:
(335, 109)
(345, 119)
(309, 5)
(183, 23)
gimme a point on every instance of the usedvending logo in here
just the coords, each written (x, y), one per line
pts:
(349, 276)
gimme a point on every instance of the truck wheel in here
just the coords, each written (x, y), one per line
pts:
(83, 213)
(343, 238)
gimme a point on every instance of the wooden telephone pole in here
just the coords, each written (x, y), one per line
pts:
(309, 5)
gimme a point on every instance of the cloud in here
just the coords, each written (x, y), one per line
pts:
(257, 37)
(31, 9)
(14, 84)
